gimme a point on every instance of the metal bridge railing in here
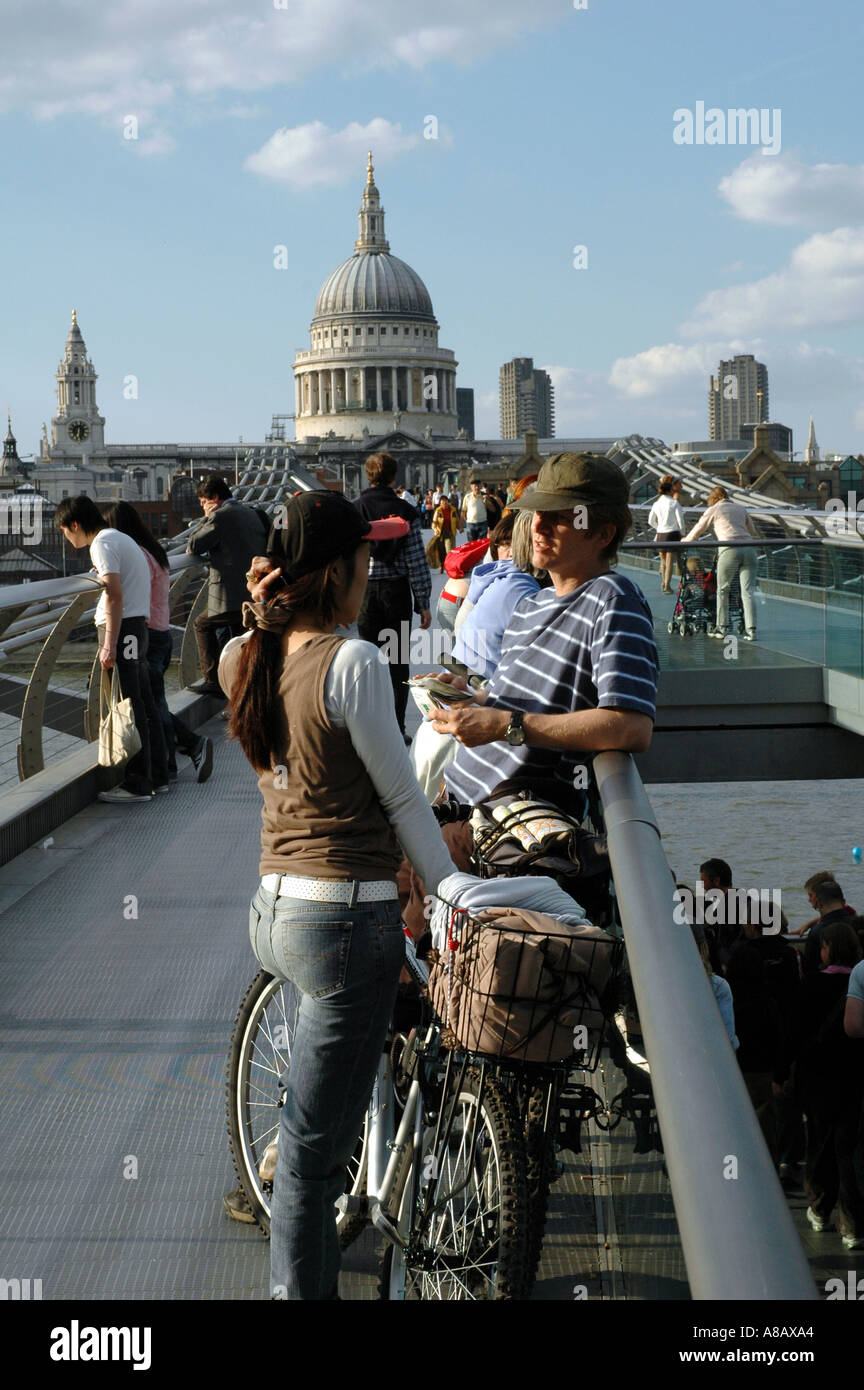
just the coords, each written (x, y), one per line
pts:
(737, 1234)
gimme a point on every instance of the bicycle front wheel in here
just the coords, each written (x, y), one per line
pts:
(468, 1232)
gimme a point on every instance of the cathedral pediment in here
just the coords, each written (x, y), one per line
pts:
(399, 439)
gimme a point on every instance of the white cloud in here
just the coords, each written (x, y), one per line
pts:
(669, 365)
(160, 142)
(822, 283)
(788, 193)
(107, 58)
(312, 155)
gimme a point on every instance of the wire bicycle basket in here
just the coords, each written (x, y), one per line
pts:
(517, 986)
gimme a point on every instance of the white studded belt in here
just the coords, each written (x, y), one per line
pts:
(330, 890)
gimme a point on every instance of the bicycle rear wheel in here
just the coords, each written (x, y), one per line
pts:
(260, 1053)
(468, 1231)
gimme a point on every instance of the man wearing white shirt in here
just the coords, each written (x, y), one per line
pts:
(474, 513)
(121, 625)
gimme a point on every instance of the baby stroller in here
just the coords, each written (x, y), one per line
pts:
(696, 603)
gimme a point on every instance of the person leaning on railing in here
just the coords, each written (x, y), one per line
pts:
(121, 620)
(197, 747)
(578, 669)
(731, 524)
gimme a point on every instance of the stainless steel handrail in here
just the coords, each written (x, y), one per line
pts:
(737, 1234)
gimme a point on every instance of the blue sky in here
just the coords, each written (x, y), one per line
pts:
(555, 129)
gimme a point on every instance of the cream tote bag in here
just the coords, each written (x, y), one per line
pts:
(119, 739)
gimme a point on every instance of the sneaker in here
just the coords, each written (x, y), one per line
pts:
(716, 632)
(267, 1166)
(748, 636)
(118, 796)
(853, 1242)
(202, 758)
(160, 788)
(817, 1222)
(237, 1206)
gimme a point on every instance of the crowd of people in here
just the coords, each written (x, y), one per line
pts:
(796, 1020)
(556, 658)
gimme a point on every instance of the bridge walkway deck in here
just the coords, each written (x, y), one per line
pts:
(123, 956)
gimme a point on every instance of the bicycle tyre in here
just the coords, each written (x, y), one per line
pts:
(257, 1057)
(540, 1166)
(473, 1244)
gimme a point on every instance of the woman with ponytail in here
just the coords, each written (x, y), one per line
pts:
(313, 712)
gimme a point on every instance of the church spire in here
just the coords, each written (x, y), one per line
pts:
(11, 463)
(371, 216)
(811, 453)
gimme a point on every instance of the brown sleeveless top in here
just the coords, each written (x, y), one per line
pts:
(321, 816)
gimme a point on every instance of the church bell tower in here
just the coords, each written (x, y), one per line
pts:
(77, 430)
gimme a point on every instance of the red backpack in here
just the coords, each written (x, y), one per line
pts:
(463, 558)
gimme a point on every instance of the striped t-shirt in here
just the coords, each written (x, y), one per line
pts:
(589, 649)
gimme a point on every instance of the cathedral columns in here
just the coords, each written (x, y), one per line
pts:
(378, 402)
(332, 390)
(394, 387)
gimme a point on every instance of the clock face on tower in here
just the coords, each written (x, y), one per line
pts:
(78, 431)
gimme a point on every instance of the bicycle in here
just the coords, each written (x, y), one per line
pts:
(459, 1184)
(455, 1160)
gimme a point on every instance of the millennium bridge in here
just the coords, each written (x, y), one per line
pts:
(124, 953)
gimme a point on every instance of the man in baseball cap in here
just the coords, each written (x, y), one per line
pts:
(574, 480)
(578, 669)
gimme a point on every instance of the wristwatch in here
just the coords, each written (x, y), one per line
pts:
(515, 734)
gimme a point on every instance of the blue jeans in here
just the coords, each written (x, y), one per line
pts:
(345, 963)
(476, 530)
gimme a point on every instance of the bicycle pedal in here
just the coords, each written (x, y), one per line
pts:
(351, 1205)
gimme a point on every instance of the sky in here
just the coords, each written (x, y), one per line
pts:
(155, 153)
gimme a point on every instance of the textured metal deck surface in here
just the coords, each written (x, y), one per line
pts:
(123, 957)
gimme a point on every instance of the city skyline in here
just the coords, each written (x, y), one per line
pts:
(151, 182)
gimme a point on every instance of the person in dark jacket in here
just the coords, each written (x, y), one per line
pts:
(782, 981)
(229, 536)
(830, 1078)
(399, 578)
(762, 1044)
(827, 898)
